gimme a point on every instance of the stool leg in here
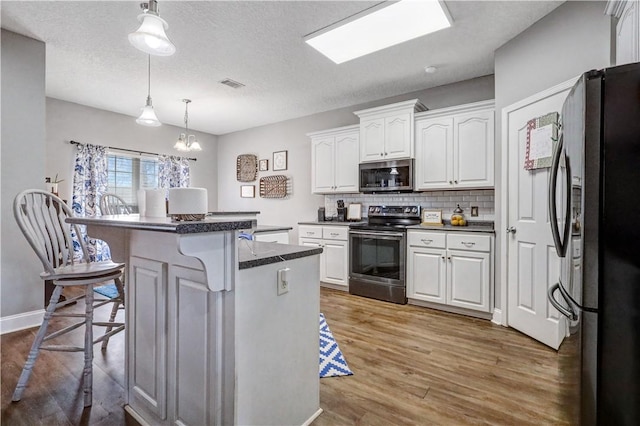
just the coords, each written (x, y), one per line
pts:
(35, 347)
(88, 347)
(114, 310)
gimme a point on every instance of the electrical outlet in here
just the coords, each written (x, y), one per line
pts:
(283, 281)
(47, 180)
(474, 211)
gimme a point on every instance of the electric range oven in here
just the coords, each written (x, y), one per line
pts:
(377, 253)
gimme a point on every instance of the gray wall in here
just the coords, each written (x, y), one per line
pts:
(68, 121)
(23, 159)
(574, 38)
(290, 135)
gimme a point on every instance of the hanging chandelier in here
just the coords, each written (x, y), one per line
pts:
(187, 142)
(151, 37)
(148, 116)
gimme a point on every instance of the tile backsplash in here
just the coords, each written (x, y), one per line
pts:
(441, 200)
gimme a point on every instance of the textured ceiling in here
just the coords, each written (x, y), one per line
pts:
(89, 60)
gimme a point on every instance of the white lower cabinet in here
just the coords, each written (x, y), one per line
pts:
(334, 260)
(281, 237)
(450, 268)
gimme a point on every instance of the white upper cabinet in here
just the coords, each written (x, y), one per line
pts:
(334, 160)
(627, 30)
(455, 147)
(386, 132)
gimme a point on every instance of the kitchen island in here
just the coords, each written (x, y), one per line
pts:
(211, 338)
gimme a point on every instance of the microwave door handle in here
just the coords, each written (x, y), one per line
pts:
(553, 213)
(564, 311)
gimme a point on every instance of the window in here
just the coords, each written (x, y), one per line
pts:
(126, 175)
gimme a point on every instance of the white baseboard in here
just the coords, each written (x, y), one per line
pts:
(497, 317)
(313, 417)
(21, 321)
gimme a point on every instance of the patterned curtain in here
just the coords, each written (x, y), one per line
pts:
(173, 172)
(89, 183)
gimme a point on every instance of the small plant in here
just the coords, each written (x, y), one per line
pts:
(55, 179)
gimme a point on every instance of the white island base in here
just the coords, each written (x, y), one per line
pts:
(208, 343)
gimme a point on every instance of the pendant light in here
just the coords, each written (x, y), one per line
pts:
(150, 37)
(187, 142)
(148, 116)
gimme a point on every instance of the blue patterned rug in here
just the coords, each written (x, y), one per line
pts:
(107, 290)
(332, 363)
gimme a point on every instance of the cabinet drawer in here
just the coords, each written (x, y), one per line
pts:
(335, 233)
(310, 231)
(456, 241)
(427, 239)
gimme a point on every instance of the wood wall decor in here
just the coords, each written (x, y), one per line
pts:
(247, 168)
(274, 186)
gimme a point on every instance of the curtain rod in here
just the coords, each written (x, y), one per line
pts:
(131, 150)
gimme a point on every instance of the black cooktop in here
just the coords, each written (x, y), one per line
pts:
(390, 218)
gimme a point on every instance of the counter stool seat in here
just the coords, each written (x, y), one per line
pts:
(61, 249)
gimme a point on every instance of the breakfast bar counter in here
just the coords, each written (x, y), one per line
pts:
(213, 335)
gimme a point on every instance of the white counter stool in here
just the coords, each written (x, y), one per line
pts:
(112, 204)
(41, 218)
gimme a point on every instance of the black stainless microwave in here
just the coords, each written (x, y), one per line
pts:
(387, 176)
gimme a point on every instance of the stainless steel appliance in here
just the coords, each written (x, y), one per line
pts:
(377, 253)
(594, 203)
(386, 176)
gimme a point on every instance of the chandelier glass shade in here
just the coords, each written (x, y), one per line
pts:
(151, 37)
(187, 142)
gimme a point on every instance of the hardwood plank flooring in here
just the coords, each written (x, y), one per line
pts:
(419, 366)
(412, 366)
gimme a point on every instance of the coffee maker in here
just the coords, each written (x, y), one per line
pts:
(342, 212)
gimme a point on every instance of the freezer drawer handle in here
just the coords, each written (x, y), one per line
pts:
(468, 244)
(564, 311)
(426, 241)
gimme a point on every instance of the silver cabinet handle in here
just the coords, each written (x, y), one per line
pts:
(449, 258)
(386, 153)
(443, 257)
(511, 230)
(381, 154)
(450, 182)
(455, 181)
(310, 233)
(426, 241)
(334, 234)
(468, 244)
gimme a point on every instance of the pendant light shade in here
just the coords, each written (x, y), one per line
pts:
(151, 37)
(187, 142)
(148, 116)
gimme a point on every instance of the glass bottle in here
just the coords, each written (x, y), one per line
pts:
(457, 218)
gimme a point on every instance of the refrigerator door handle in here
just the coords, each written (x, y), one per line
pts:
(560, 244)
(569, 313)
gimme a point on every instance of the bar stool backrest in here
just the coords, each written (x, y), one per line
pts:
(41, 218)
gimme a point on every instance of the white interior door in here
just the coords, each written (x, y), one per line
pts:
(532, 264)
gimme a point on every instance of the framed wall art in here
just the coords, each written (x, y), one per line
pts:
(264, 165)
(280, 160)
(246, 168)
(432, 217)
(248, 191)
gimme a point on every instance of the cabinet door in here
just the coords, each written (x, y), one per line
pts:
(281, 237)
(473, 145)
(627, 35)
(335, 267)
(426, 275)
(372, 140)
(468, 280)
(322, 165)
(312, 242)
(434, 156)
(347, 151)
(397, 136)
(147, 336)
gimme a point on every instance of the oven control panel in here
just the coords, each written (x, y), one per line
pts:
(398, 211)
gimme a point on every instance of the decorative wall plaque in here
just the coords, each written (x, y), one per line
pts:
(273, 186)
(247, 167)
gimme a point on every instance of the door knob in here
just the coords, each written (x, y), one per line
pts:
(511, 229)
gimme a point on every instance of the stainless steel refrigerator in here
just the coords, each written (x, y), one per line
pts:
(594, 210)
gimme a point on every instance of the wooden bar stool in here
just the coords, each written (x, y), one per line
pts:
(41, 218)
(113, 204)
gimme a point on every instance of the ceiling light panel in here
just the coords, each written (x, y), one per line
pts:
(378, 28)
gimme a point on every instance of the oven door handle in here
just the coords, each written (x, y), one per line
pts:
(378, 234)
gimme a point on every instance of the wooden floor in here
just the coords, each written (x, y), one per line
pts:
(411, 365)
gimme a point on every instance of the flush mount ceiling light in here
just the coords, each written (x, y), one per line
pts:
(150, 37)
(187, 142)
(379, 27)
(148, 116)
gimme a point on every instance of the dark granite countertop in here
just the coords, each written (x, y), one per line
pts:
(472, 226)
(165, 224)
(257, 253)
(232, 213)
(270, 228)
(330, 223)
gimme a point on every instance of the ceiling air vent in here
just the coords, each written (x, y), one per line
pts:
(231, 83)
